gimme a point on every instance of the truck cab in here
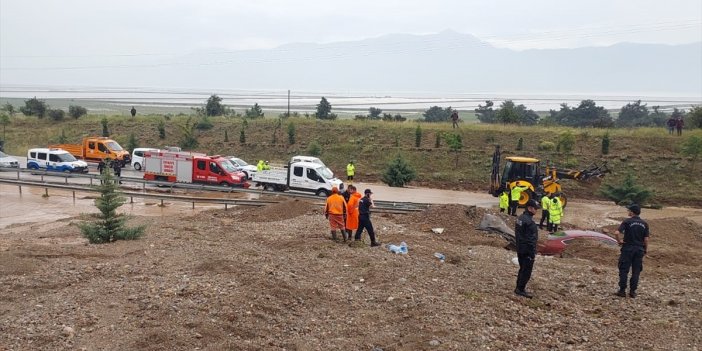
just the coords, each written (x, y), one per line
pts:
(301, 176)
(216, 170)
(97, 149)
(187, 167)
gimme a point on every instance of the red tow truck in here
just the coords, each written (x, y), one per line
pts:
(189, 167)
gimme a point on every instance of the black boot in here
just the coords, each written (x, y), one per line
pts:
(333, 234)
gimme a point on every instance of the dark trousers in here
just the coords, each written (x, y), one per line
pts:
(544, 217)
(364, 222)
(679, 131)
(631, 257)
(512, 210)
(526, 264)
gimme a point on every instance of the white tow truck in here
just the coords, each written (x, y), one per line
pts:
(300, 176)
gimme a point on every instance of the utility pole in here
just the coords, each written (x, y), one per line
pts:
(288, 102)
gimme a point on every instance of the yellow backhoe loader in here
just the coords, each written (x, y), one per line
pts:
(527, 171)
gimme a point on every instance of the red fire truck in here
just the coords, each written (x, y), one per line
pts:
(189, 167)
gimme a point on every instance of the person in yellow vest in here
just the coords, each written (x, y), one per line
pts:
(266, 166)
(555, 210)
(350, 171)
(259, 165)
(545, 204)
(504, 201)
(515, 194)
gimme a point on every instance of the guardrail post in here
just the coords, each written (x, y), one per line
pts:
(161, 202)
(42, 178)
(131, 199)
(74, 196)
(18, 175)
(46, 192)
(65, 180)
(225, 206)
(193, 205)
(91, 181)
(20, 189)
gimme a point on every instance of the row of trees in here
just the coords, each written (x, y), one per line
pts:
(40, 109)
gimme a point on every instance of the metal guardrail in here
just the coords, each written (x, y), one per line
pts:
(380, 205)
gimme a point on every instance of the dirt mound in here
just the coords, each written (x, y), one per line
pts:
(278, 211)
(591, 250)
(452, 217)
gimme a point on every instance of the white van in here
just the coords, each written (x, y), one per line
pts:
(138, 157)
(58, 160)
(312, 159)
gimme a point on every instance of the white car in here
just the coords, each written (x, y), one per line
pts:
(242, 166)
(8, 161)
(138, 157)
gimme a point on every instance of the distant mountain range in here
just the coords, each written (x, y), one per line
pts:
(443, 62)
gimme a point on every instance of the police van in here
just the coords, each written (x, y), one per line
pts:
(57, 160)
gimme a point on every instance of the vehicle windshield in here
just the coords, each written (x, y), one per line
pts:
(2, 154)
(239, 161)
(324, 171)
(227, 166)
(66, 157)
(114, 146)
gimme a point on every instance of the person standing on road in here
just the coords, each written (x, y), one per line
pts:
(335, 212)
(526, 234)
(545, 204)
(515, 194)
(352, 211)
(634, 248)
(101, 166)
(504, 201)
(364, 221)
(454, 119)
(350, 171)
(555, 213)
(117, 168)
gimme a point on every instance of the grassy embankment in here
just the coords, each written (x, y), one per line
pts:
(651, 154)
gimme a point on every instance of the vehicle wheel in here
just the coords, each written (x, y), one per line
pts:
(224, 184)
(564, 200)
(524, 197)
(66, 171)
(322, 192)
(137, 166)
(268, 187)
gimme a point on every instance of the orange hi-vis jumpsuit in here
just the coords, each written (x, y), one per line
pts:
(336, 208)
(352, 211)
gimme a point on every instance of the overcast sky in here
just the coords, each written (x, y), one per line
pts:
(124, 27)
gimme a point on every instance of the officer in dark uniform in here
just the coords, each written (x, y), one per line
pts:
(634, 247)
(526, 232)
(117, 168)
(364, 221)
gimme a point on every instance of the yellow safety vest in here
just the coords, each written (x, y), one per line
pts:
(504, 200)
(350, 169)
(517, 192)
(545, 203)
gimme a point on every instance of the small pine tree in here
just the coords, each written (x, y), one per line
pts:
(226, 137)
(314, 149)
(110, 225)
(397, 141)
(105, 129)
(62, 139)
(455, 143)
(132, 143)
(627, 192)
(189, 139)
(520, 144)
(605, 144)
(161, 129)
(692, 147)
(437, 142)
(242, 136)
(291, 133)
(418, 136)
(398, 172)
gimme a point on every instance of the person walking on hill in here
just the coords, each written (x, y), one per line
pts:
(634, 248)
(671, 125)
(504, 201)
(454, 119)
(515, 194)
(364, 221)
(133, 111)
(350, 171)
(526, 234)
(352, 212)
(555, 213)
(679, 124)
(545, 204)
(335, 212)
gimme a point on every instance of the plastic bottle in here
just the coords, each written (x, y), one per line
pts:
(401, 249)
(440, 256)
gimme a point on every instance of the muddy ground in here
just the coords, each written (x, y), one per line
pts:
(269, 278)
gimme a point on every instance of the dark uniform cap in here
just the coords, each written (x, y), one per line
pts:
(636, 209)
(367, 191)
(533, 203)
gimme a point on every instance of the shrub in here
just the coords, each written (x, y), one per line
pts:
(226, 136)
(520, 144)
(56, 114)
(254, 112)
(105, 130)
(398, 172)
(204, 123)
(627, 192)
(437, 142)
(314, 149)
(110, 225)
(213, 107)
(291, 133)
(161, 129)
(62, 139)
(605, 144)
(77, 111)
(566, 142)
(34, 107)
(547, 146)
(242, 136)
(132, 143)
(692, 147)
(188, 140)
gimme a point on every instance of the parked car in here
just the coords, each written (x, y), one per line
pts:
(138, 157)
(557, 242)
(55, 160)
(242, 166)
(8, 161)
